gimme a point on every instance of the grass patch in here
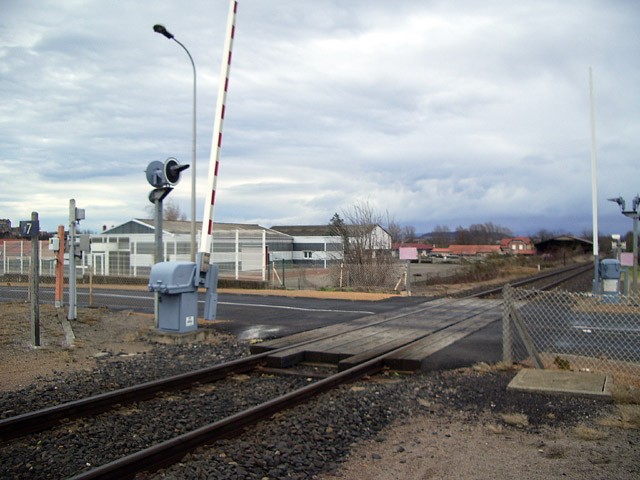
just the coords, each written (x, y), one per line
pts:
(518, 420)
(626, 416)
(586, 433)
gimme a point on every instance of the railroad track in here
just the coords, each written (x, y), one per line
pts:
(172, 450)
(542, 281)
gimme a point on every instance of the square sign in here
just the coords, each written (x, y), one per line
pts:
(29, 228)
(626, 259)
(408, 253)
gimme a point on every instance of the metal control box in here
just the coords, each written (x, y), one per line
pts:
(610, 280)
(610, 269)
(177, 286)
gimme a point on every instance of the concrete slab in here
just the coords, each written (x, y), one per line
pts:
(175, 338)
(593, 385)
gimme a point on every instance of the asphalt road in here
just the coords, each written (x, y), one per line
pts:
(262, 316)
(237, 313)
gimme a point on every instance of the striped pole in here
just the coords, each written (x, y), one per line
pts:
(216, 142)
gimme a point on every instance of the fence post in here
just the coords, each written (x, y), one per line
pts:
(284, 285)
(35, 284)
(59, 291)
(237, 255)
(73, 299)
(507, 356)
(265, 257)
(526, 338)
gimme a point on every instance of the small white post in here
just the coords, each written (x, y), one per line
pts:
(237, 255)
(264, 255)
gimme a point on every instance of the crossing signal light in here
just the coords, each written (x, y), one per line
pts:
(161, 174)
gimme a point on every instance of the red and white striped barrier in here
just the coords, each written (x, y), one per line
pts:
(216, 142)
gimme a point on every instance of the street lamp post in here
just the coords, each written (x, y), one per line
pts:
(163, 31)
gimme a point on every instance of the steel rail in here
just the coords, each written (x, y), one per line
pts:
(576, 269)
(31, 422)
(576, 273)
(173, 450)
(38, 420)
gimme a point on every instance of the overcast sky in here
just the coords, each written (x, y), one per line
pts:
(437, 112)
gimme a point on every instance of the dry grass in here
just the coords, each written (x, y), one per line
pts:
(515, 419)
(625, 394)
(586, 433)
(626, 416)
(496, 367)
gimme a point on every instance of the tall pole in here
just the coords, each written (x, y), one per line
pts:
(594, 187)
(163, 31)
(193, 159)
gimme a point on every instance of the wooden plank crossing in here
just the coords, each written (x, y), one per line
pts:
(412, 334)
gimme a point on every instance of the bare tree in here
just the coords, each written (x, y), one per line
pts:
(481, 234)
(543, 235)
(396, 232)
(406, 234)
(338, 228)
(366, 263)
(441, 236)
(462, 236)
(171, 211)
(409, 234)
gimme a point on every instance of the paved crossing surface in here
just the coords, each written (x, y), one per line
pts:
(409, 336)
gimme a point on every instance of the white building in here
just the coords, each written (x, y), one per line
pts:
(315, 245)
(238, 249)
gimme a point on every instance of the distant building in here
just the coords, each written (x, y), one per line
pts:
(314, 245)
(507, 246)
(518, 246)
(423, 249)
(237, 249)
(565, 244)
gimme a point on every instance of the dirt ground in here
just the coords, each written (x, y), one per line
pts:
(426, 447)
(434, 447)
(97, 332)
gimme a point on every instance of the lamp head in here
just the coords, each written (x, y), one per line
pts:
(619, 200)
(162, 31)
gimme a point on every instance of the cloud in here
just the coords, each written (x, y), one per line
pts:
(439, 113)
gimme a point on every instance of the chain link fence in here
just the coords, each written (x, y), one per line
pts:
(572, 331)
(338, 275)
(124, 264)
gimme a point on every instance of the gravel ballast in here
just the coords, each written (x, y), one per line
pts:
(444, 424)
(308, 440)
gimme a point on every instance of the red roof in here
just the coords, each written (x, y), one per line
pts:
(468, 249)
(419, 246)
(505, 242)
(474, 249)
